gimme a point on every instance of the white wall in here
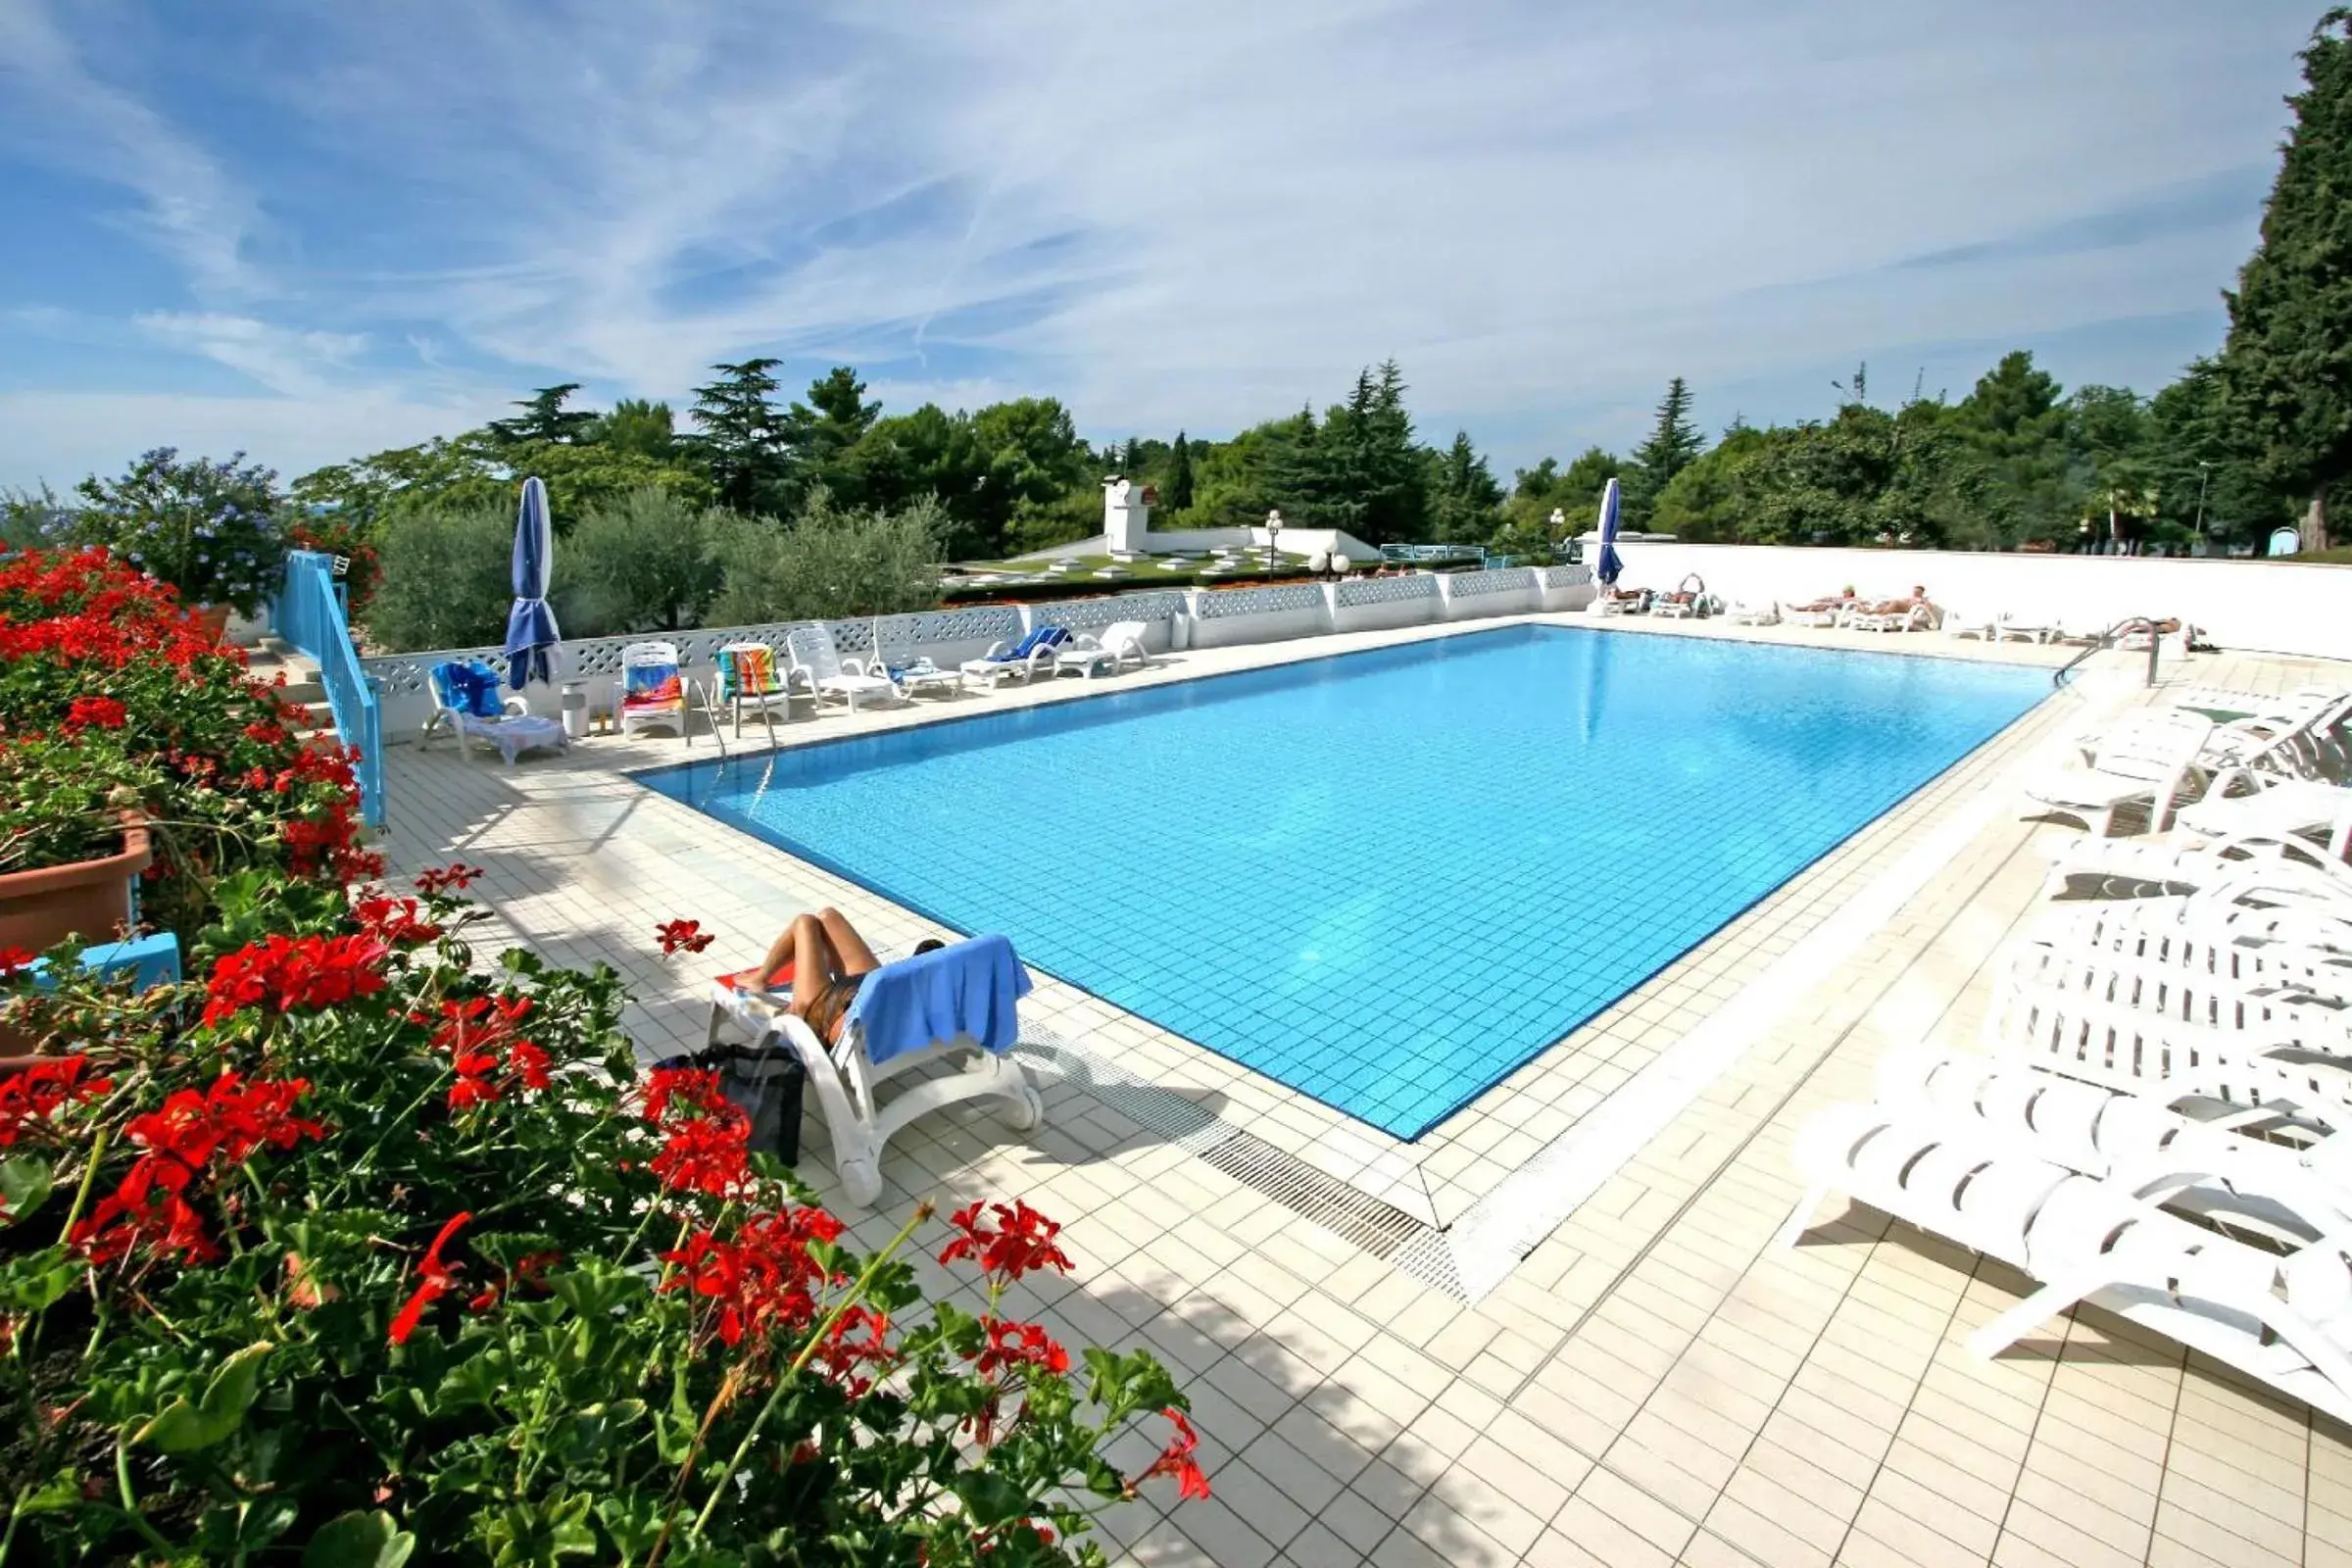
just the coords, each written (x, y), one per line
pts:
(1170, 618)
(2264, 605)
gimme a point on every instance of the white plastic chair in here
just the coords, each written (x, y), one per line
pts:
(1018, 660)
(2151, 759)
(748, 677)
(653, 695)
(510, 733)
(817, 661)
(846, 1080)
(1112, 647)
(2278, 1318)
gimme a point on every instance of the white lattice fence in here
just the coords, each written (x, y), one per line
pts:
(1511, 579)
(1359, 591)
(1225, 603)
(1091, 615)
(1563, 576)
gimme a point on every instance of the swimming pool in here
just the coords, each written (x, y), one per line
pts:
(1384, 879)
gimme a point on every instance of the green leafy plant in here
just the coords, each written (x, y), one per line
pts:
(210, 529)
(113, 697)
(642, 561)
(830, 562)
(446, 578)
(362, 1249)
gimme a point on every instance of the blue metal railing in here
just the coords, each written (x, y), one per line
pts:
(309, 617)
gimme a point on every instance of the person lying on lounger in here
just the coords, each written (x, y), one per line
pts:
(824, 960)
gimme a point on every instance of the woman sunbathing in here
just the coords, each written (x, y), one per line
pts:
(824, 960)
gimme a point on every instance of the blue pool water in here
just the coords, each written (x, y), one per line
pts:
(1386, 879)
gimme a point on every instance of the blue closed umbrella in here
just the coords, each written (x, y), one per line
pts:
(532, 625)
(1609, 568)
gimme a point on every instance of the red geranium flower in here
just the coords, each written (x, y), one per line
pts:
(1020, 1240)
(848, 1359)
(475, 1031)
(15, 962)
(291, 972)
(694, 1087)
(394, 921)
(686, 935)
(435, 1279)
(1020, 1344)
(438, 879)
(32, 1093)
(148, 1207)
(1177, 1460)
(105, 713)
(762, 1280)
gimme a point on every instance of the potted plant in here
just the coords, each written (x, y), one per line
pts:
(210, 529)
(72, 841)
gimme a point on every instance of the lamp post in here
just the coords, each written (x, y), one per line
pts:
(1555, 532)
(1273, 535)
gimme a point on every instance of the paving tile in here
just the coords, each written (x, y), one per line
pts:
(1802, 1402)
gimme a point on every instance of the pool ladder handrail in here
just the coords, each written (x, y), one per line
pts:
(2106, 640)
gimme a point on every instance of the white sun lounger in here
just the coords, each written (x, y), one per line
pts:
(2151, 759)
(2282, 1319)
(817, 661)
(2142, 1053)
(2261, 1167)
(1754, 612)
(1899, 616)
(2275, 807)
(1110, 649)
(846, 1080)
(1820, 613)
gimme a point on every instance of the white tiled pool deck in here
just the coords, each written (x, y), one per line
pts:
(1652, 1381)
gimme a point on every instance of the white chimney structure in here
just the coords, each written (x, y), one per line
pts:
(1126, 515)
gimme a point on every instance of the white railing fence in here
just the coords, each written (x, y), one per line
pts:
(1200, 617)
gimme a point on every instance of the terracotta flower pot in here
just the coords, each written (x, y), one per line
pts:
(214, 618)
(40, 908)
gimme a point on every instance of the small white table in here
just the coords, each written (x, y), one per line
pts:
(913, 678)
(521, 733)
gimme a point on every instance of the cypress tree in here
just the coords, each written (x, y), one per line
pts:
(2286, 366)
(1674, 442)
(1180, 478)
(739, 432)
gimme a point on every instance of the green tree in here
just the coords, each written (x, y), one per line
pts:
(638, 426)
(1361, 469)
(1465, 503)
(645, 560)
(1702, 502)
(2015, 423)
(446, 578)
(2207, 482)
(2288, 361)
(545, 420)
(831, 562)
(1674, 444)
(1536, 493)
(813, 435)
(739, 434)
(1177, 493)
(32, 520)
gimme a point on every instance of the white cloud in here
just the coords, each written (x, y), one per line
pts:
(61, 436)
(1209, 214)
(293, 364)
(83, 124)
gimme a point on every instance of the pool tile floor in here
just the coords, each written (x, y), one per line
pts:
(1653, 1382)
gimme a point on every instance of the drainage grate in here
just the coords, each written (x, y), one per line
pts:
(1410, 1246)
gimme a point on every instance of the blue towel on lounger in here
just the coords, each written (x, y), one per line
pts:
(967, 989)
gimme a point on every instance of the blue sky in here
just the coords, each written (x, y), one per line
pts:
(316, 230)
